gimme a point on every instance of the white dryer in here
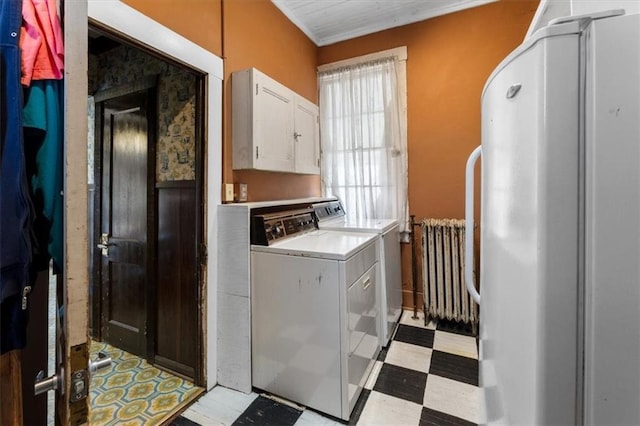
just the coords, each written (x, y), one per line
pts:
(331, 216)
(313, 311)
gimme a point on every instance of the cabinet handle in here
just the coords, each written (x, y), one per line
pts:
(366, 284)
(296, 135)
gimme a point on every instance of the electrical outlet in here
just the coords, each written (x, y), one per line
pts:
(227, 193)
(241, 192)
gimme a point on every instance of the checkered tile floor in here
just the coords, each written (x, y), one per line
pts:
(426, 376)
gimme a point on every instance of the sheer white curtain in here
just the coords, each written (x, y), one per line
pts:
(364, 156)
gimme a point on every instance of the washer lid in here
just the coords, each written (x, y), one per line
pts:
(321, 244)
(378, 226)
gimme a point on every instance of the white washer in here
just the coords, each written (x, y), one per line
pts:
(314, 312)
(331, 216)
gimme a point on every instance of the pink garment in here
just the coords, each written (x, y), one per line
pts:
(41, 42)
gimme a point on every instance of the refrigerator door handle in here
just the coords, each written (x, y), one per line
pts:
(468, 210)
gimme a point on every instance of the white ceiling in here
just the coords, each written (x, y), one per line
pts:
(330, 21)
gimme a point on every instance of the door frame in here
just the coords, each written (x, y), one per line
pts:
(119, 18)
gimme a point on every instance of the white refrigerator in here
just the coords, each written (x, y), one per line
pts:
(560, 227)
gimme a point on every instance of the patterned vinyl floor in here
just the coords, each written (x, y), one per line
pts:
(133, 392)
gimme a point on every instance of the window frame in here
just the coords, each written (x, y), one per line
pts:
(399, 54)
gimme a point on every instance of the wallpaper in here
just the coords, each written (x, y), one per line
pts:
(176, 105)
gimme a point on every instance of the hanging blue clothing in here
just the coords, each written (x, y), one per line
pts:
(15, 246)
(43, 139)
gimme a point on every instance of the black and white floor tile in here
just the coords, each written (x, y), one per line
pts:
(427, 376)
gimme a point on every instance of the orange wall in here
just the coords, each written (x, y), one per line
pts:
(257, 34)
(449, 60)
(197, 20)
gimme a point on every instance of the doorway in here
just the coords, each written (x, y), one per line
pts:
(119, 18)
(145, 212)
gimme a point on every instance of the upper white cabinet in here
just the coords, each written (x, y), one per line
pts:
(306, 136)
(273, 128)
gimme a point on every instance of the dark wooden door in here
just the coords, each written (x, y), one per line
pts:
(124, 222)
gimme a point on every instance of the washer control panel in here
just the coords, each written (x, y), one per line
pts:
(329, 210)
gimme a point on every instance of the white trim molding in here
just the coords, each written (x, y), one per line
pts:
(399, 53)
(119, 18)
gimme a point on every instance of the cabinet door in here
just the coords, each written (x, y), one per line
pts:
(273, 125)
(306, 136)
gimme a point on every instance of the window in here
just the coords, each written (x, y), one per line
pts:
(363, 133)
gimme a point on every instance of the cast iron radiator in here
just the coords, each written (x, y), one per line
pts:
(444, 293)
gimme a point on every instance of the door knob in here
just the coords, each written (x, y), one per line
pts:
(44, 385)
(79, 380)
(104, 244)
(103, 361)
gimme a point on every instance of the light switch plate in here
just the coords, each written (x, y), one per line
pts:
(227, 193)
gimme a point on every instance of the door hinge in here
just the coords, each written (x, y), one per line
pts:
(257, 152)
(256, 88)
